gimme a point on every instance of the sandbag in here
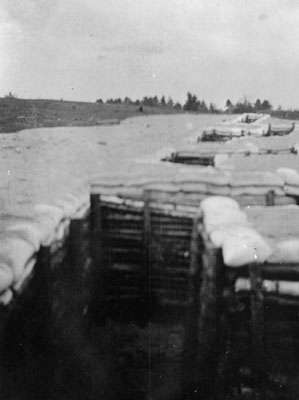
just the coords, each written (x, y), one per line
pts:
(51, 212)
(29, 231)
(291, 190)
(68, 207)
(216, 203)
(62, 230)
(218, 190)
(223, 218)
(15, 253)
(222, 233)
(6, 297)
(246, 247)
(285, 288)
(290, 176)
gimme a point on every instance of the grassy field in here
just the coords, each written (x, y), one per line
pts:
(18, 114)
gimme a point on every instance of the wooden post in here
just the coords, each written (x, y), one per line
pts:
(43, 281)
(270, 198)
(257, 321)
(210, 296)
(97, 309)
(146, 251)
(96, 229)
(76, 255)
(189, 372)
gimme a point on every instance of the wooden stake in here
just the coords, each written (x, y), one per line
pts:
(257, 321)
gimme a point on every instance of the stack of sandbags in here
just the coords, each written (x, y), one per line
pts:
(20, 240)
(196, 183)
(256, 183)
(228, 228)
(255, 235)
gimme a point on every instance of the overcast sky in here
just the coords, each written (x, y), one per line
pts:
(90, 49)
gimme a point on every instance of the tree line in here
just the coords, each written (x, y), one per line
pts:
(192, 103)
(247, 106)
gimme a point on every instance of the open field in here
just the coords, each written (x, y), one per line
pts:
(41, 165)
(17, 114)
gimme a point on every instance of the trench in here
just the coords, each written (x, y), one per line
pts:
(109, 312)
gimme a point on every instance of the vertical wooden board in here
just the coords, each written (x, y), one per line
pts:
(257, 323)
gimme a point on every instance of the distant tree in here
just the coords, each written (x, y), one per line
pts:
(163, 102)
(155, 101)
(212, 108)
(228, 103)
(177, 106)
(10, 95)
(127, 100)
(192, 103)
(257, 105)
(266, 105)
(99, 101)
(202, 107)
(243, 106)
(170, 102)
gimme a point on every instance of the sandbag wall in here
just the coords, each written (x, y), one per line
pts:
(48, 301)
(254, 324)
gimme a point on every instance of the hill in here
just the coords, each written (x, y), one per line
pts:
(17, 114)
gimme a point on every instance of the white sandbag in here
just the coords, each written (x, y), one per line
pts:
(62, 229)
(194, 187)
(286, 251)
(6, 277)
(222, 233)
(16, 253)
(216, 203)
(75, 199)
(50, 211)
(29, 231)
(290, 176)
(245, 248)
(242, 285)
(291, 190)
(218, 190)
(256, 190)
(68, 207)
(286, 288)
(223, 218)
(6, 297)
